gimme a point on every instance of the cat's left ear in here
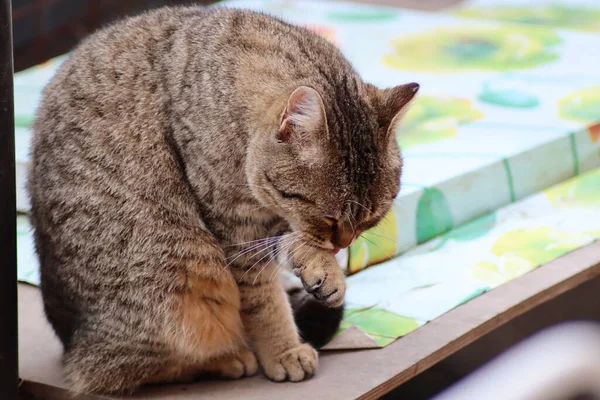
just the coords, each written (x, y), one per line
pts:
(303, 123)
(303, 117)
(394, 103)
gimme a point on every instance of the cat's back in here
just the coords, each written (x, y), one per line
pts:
(149, 63)
(115, 68)
(100, 139)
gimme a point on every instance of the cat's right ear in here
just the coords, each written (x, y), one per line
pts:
(303, 119)
(392, 103)
(395, 104)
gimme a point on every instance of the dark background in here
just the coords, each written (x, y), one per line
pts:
(43, 29)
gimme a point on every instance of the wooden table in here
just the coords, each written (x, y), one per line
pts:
(364, 374)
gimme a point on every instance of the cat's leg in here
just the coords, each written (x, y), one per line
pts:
(269, 323)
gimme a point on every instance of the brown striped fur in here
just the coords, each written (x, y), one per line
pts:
(180, 160)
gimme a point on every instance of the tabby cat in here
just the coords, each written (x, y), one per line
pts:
(180, 160)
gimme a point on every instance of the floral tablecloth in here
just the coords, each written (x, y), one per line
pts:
(393, 298)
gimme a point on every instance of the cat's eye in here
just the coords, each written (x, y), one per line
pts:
(286, 194)
(331, 222)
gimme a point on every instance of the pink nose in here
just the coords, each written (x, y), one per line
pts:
(335, 250)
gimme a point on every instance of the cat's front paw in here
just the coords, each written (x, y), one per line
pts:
(320, 274)
(326, 285)
(295, 364)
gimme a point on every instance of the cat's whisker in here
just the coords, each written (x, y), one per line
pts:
(256, 248)
(350, 219)
(252, 241)
(284, 244)
(273, 241)
(259, 243)
(278, 269)
(297, 250)
(286, 247)
(263, 239)
(247, 250)
(378, 235)
(274, 255)
(275, 273)
(370, 241)
(267, 263)
(363, 206)
(254, 265)
(262, 258)
(290, 254)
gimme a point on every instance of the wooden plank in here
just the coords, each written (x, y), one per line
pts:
(342, 375)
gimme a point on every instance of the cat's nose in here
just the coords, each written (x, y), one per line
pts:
(342, 237)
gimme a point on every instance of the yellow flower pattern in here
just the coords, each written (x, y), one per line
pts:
(463, 49)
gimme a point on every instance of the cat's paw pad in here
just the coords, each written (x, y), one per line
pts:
(236, 366)
(293, 365)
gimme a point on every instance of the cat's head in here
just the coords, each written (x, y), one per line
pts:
(332, 166)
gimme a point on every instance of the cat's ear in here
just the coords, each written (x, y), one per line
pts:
(394, 103)
(303, 119)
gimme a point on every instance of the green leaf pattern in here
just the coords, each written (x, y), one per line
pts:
(382, 325)
(581, 106)
(583, 192)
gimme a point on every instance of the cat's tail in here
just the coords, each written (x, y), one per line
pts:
(316, 322)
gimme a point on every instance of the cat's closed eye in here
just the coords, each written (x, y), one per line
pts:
(288, 194)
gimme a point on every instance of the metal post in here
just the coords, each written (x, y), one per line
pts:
(8, 242)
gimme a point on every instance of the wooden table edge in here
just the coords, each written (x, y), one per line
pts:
(570, 271)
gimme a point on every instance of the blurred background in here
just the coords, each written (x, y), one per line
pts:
(46, 28)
